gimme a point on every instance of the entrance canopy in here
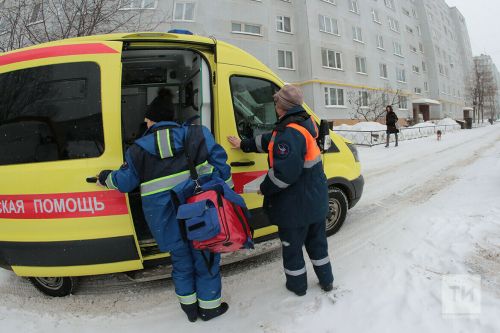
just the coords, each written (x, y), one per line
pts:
(427, 101)
(468, 108)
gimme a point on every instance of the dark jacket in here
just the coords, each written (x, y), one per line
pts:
(294, 195)
(157, 163)
(390, 120)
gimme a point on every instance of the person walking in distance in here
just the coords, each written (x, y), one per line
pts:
(295, 189)
(390, 120)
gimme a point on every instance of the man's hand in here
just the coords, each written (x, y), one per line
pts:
(234, 142)
(101, 178)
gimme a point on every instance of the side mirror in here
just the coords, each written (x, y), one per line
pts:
(324, 139)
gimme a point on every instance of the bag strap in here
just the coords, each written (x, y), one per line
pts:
(192, 169)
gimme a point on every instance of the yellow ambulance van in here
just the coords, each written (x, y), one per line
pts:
(70, 108)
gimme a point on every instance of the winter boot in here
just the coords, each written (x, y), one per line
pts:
(207, 314)
(298, 293)
(327, 287)
(396, 140)
(387, 141)
(191, 311)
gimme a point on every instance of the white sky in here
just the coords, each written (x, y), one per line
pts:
(483, 23)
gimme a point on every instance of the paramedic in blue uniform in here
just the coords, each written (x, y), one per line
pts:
(156, 163)
(295, 189)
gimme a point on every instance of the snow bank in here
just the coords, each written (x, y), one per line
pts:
(426, 124)
(361, 126)
(447, 121)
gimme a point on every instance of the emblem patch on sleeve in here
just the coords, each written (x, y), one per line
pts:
(283, 150)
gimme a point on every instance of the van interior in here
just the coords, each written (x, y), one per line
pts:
(185, 75)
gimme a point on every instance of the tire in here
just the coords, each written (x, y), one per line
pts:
(54, 286)
(338, 206)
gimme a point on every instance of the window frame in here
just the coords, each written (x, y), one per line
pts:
(281, 19)
(362, 63)
(243, 32)
(285, 59)
(331, 20)
(327, 95)
(335, 53)
(184, 3)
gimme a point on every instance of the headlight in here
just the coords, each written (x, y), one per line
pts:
(353, 150)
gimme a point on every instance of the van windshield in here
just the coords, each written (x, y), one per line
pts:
(183, 76)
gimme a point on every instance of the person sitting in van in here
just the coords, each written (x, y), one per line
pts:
(156, 162)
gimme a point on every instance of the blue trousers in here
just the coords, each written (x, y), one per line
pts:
(313, 237)
(192, 279)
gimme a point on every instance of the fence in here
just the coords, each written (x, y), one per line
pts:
(372, 138)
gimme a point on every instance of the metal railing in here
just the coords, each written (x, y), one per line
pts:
(373, 138)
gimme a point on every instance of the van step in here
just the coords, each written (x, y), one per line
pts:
(165, 271)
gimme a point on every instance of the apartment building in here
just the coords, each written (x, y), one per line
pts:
(340, 50)
(490, 86)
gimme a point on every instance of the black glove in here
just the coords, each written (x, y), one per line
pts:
(103, 175)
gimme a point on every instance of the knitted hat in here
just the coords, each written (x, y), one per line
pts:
(161, 108)
(288, 97)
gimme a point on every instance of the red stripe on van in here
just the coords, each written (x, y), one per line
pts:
(242, 178)
(63, 205)
(55, 51)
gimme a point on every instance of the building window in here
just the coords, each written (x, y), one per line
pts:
(397, 49)
(380, 42)
(137, 4)
(415, 69)
(419, 31)
(334, 97)
(246, 28)
(361, 65)
(401, 75)
(413, 49)
(394, 25)
(357, 35)
(353, 6)
(389, 4)
(403, 102)
(285, 59)
(383, 71)
(426, 86)
(375, 16)
(421, 47)
(441, 69)
(418, 91)
(331, 59)
(283, 24)
(328, 25)
(184, 11)
(363, 99)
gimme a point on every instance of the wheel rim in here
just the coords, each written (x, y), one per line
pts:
(52, 283)
(334, 213)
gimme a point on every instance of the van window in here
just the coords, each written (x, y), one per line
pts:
(51, 113)
(253, 105)
(181, 75)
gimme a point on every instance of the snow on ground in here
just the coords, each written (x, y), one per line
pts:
(430, 208)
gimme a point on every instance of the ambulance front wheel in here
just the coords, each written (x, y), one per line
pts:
(54, 286)
(338, 206)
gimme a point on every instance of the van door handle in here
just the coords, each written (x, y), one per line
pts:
(91, 179)
(242, 163)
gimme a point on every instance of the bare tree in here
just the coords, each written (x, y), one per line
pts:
(32, 22)
(369, 105)
(483, 88)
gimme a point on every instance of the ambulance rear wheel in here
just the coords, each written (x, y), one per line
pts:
(338, 206)
(54, 286)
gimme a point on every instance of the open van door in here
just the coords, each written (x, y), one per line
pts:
(59, 126)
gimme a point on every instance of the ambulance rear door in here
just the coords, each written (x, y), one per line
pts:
(59, 126)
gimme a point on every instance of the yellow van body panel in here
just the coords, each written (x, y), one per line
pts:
(66, 178)
(84, 270)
